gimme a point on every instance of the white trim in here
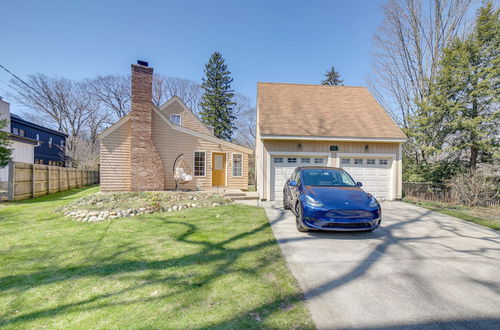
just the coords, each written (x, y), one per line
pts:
(296, 153)
(301, 153)
(232, 165)
(176, 114)
(268, 175)
(113, 127)
(392, 191)
(201, 135)
(330, 138)
(204, 165)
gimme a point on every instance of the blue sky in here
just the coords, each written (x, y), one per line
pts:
(274, 41)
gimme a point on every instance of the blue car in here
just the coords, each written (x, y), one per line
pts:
(327, 198)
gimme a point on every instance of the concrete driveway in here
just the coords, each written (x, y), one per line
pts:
(420, 270)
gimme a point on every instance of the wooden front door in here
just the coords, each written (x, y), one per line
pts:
(218, 169)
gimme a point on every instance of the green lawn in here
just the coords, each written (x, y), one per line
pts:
(484, 216)
(197, 268)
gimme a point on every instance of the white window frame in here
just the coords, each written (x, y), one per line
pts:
(368, 161)
(319, 160)
(288, 160)
(232, 165)
(383, 160)
(204, 164)
(345, 161)
(280, 162)
(180, 118)
(307, 160)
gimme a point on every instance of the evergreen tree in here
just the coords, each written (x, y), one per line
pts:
(461, 116)
(5, 151)
(332, 78)
(217, 106)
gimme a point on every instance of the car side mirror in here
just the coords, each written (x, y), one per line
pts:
(359, 184)
(293, 183)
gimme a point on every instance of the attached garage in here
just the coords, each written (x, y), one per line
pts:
(339, 126)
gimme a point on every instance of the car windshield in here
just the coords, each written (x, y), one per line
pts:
(327, 178)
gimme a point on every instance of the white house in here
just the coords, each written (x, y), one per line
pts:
(23, 148)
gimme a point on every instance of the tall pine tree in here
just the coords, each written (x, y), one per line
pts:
(332, 78)
(461, 117)
(217, 106)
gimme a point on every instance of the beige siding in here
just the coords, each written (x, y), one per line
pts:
(115, 159)
(170, 143)
(324, 146)
(189, 119)
(265, 147)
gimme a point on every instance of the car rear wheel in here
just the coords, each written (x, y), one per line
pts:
(298, 219)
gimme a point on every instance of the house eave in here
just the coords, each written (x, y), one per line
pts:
(332, 138)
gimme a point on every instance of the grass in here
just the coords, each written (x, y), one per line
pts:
(484, 216)
(198, 268)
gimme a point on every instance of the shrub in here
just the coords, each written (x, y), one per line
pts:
(472, 188)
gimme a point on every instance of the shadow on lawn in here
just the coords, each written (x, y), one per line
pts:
(225, 257)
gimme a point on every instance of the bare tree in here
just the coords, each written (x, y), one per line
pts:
(60, 101)
(112, 91)
(82, 152)
(245, 121)
(407, 49)
(166, 87)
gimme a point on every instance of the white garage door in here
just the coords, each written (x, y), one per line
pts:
(375, 174)
(282, 168)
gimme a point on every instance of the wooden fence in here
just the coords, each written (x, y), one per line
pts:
(33, 180)
(436, 193)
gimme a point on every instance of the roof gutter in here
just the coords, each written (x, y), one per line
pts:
(330, 138)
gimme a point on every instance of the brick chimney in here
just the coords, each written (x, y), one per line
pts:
(147, 171)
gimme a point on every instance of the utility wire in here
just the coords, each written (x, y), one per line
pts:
(15, 76)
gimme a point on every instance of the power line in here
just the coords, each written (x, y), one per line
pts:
(13, 75)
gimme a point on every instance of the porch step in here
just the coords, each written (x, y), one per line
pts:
(241, 195)
(235, 194)
(244, 198)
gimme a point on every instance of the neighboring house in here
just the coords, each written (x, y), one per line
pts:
(22, 147)
(50, 149)
(336, 126)
(138, 152)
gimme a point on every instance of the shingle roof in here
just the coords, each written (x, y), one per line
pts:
(324, 111)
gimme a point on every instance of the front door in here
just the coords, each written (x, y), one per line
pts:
(218, 169)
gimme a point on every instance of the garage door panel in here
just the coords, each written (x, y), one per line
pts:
(281, 172)
(376, 178)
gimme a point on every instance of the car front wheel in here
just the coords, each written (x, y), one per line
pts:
(285, 203)
(298, 219)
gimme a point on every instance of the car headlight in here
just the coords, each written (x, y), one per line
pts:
(373, 202)
(313, 202)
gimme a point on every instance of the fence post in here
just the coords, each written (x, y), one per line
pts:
(11, 182)
(48, 180)
(33, 178)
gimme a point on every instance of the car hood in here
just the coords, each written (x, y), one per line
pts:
(340, 197)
